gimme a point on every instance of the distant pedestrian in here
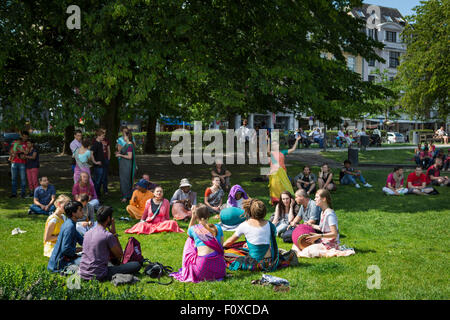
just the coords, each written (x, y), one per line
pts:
(99, 160)
(74, 145)
(32, 167)
(127, 166)
(19, 149)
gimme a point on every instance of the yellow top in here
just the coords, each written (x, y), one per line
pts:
(49, 245)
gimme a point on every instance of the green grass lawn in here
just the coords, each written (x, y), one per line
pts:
(399, 156)
(406, 237)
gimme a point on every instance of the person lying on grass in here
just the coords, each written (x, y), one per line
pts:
(101, 246)
(394, 183)
(203, 258)
(53, 225)
(65, 251)
(325, 242)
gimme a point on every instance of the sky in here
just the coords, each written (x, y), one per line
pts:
(404, 6)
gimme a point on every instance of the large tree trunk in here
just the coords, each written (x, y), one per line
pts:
(150, 139)
(111, 122)
(69, 131)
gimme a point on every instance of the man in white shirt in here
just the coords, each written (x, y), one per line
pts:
(75, 144)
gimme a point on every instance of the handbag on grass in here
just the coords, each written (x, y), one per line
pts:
(156, 270)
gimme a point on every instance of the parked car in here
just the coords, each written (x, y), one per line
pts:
(6, 139)
(395, 137)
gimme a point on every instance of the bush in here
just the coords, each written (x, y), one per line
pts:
(37, 283)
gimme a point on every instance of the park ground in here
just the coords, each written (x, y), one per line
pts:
(406, 237)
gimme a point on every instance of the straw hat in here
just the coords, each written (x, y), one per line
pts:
(185, 183)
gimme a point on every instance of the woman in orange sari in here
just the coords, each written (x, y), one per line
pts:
(156, 216)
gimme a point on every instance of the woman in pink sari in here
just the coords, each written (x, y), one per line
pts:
(156, 216)
(203, 254)
(82, 155)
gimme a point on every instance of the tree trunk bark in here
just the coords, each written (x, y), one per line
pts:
(68, 137)
(111, 122)
(150, 139)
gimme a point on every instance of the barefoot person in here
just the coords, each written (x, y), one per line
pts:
(213, 197)
(203, 255)
(138, 200)
(182, 201)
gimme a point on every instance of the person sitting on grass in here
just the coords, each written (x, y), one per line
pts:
(348, 175)
(417, 152)
(87, 221)
(83, 186)
(325, 180)
(182, 201)
(284, 212)
(203, 254)
(138, 200)
(213, 197)
(150, 186)
(44, 197)
(260, 235)
(433, 175)
(236, 196)
(306, 180)
(156, 216)
(325, 242)
(53, 225)
(394, 183)
(425, 157)
(101, 246)
(65, 250)
(417, 182)
(308, 211)
(220, 171)
(447, 160)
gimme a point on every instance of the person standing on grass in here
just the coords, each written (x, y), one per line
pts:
(44, 197)
(65, 250)
(434, 176)
(99, 160)
(394, 183)
(348, 175)
(32, 167)
(84, 187)
(19, 149)
(127, 166)
(74, 145)
(203, 254)
(53, 225)
(107, 158)
(417, 182)
(82, 156)
(101, 246)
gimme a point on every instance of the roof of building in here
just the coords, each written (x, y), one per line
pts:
(387, 14)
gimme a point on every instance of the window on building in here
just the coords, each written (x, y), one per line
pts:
(351, 63)
(388, 18)
(391, 36)
(371, 62)
(371, 78)
(394, 59)
(360, 13)
(372, 33)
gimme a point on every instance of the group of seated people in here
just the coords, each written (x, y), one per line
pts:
(418, 182)
(426, 155)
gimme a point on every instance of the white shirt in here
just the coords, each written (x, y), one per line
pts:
(238, 202)
(242, 133)
(341, 134)
(254, 235)
(327, 220)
